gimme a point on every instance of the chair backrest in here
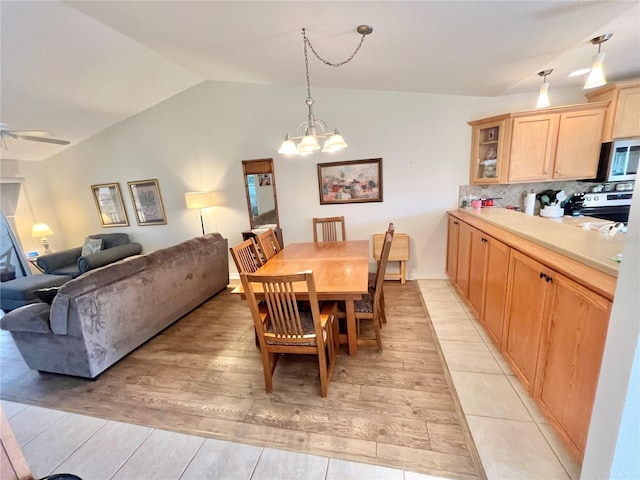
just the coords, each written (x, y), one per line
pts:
(246, 256)
(333, 229)
(390, 231)
(284, 322)
(382, 266)
(268, 243)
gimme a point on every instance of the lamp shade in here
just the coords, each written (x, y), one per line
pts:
(199, 199)
(334, 143)
(596, 76)
(308, 144)
(288, 147)
(543, 98)
(40, 230)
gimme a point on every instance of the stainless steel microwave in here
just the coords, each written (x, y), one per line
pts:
(618, 161)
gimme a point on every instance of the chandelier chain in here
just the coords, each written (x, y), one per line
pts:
(326, 62)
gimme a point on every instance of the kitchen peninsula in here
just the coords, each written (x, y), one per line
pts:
(543, 291)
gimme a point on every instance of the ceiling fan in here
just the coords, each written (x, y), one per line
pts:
(33, 135)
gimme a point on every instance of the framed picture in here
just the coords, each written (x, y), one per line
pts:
(146, 198)
(109, 204)
(355, 181)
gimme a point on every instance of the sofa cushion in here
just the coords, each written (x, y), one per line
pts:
(47, 294)
(30, 318)
(110, 240)
(91, 245)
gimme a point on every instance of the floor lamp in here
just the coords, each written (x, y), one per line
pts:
(199, 200)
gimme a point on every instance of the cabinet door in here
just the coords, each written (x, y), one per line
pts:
(524, 315)
(489, 144)
(452, 248)
(477, 270)
(495, 288)
(464, 258)
(533, 145)
(579, 141)
(627, 120)
(570, 357)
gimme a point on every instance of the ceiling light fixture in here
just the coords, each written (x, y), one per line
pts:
(543, 98)
(315, 128)
(596, 76)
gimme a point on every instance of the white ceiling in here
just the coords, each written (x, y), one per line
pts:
(75, 68)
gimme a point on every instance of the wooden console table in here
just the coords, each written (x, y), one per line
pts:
(399, 253)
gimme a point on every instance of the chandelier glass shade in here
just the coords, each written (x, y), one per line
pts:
(310, 132)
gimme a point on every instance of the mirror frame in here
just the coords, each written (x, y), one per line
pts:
(260, 166)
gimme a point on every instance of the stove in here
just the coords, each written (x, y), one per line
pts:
(612, 206)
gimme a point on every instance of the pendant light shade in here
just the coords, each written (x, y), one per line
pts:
(596, 76)
(543, 97)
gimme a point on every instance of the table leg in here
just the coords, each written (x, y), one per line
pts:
(352, 333)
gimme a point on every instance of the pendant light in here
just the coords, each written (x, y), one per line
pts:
(314, 128)
(543, 98)
(596, 76)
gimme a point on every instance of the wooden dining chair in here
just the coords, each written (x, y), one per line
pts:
(246, 256)
(373, 276)
(283, 327)
(370, 307)
(333, 229)
(268, 243)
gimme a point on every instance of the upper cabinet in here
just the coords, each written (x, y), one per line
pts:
(560, 143)
(623, 116)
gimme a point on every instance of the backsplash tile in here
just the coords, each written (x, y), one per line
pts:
(515, 194)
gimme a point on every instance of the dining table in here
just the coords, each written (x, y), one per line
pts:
(340, 270)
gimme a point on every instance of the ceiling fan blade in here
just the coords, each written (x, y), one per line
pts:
(43, 139)
(30, 133)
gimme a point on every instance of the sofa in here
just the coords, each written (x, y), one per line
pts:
(97, 318)
(71, 262)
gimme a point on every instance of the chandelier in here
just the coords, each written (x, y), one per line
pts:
(315, 128)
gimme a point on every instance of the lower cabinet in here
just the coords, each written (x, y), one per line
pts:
(550, 329)
(576, 322)
(527, 291)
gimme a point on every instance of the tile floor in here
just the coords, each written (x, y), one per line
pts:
(513, 439)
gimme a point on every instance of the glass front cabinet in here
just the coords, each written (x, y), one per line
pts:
(489, 145)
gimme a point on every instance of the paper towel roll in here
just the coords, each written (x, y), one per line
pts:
(530, 203)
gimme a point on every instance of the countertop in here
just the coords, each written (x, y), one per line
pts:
(562, 235)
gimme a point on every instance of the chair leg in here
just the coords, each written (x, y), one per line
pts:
(268, 365)
(322, 364)
(383, 316)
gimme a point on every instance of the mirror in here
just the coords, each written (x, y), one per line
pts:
(260, 186)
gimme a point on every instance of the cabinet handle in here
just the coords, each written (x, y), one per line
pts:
(484, 240)
(546, 277)
(546, 172)
(455, 223)
(557, 172)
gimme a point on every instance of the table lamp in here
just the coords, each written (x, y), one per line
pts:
(42, 230)
(199, 200)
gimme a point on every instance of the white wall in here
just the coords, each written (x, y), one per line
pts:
(197, 140)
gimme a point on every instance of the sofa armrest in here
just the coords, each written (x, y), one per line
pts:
(29, 318)
(53, 261)
(110, 255)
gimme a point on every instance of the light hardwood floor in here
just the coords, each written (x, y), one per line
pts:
(203, 376)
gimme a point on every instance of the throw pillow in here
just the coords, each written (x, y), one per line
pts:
(47, 294)
(91, 245)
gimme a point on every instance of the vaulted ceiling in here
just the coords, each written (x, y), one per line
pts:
(75, 68)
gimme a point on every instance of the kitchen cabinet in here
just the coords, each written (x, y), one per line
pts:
(548, 314)
(480, 273)
(463, 258)
(559, 143)
(622, 119)
(453, 227)
(489, 149)
(527, 292)
(576, 321)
